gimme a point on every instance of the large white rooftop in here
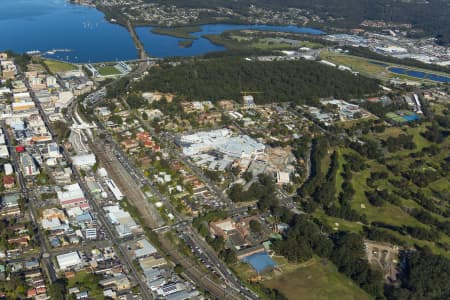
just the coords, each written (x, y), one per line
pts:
(68, 260)
(223, 141)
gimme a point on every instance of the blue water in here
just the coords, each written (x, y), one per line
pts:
(419, 74)
(48, 24)
(167, 46)
(411, 118)
(55, 24)
(260, 261)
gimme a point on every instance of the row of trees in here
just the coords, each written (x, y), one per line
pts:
(321, 188)
(427, 218)
(369, 148)
(343, 209)
(420, 233)
(435, 133)
(379, 197)
(320, 146)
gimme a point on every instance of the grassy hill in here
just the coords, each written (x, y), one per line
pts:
(410, 198)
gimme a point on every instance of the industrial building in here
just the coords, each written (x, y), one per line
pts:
(124, 223)
(68, 260)
(72, 196)
(114, 189)
(21, 106)
(145, 249)
(84, 160)
(222, 141)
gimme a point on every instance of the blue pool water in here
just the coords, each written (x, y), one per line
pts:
(419, 74)
(411, 118)
(378, 63)
(260, 261)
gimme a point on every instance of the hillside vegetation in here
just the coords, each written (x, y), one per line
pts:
(433, 16)
(297, 81)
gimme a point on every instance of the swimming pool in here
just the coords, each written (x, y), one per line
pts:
(420, 74)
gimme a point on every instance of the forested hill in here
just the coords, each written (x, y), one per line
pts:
(432, 16)
(226, 78)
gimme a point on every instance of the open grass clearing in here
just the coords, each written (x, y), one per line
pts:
(108, 71)
(56, 66)
(325, 162)
(316, 280)
(338, 223)
(87, 282)
(372, 67)
(358, 64)
(387, 213)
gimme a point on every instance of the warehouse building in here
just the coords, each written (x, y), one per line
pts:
(114, 189)
(84, 160)
(68, 260)
(223, 141)
(124, 223)
(72, 196)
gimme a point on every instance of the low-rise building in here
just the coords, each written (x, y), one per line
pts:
(72, 196)
(119, 283)
(29, 166)
(124, 223)
(8, 181)
(84, 160)
(145, 249)
(69, 260)
(152, 262)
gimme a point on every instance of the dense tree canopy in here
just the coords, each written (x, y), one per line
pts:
(303, 239)
(426, 276)
(297, 81)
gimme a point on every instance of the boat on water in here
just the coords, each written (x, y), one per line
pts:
(53, 51)
(33, 52)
